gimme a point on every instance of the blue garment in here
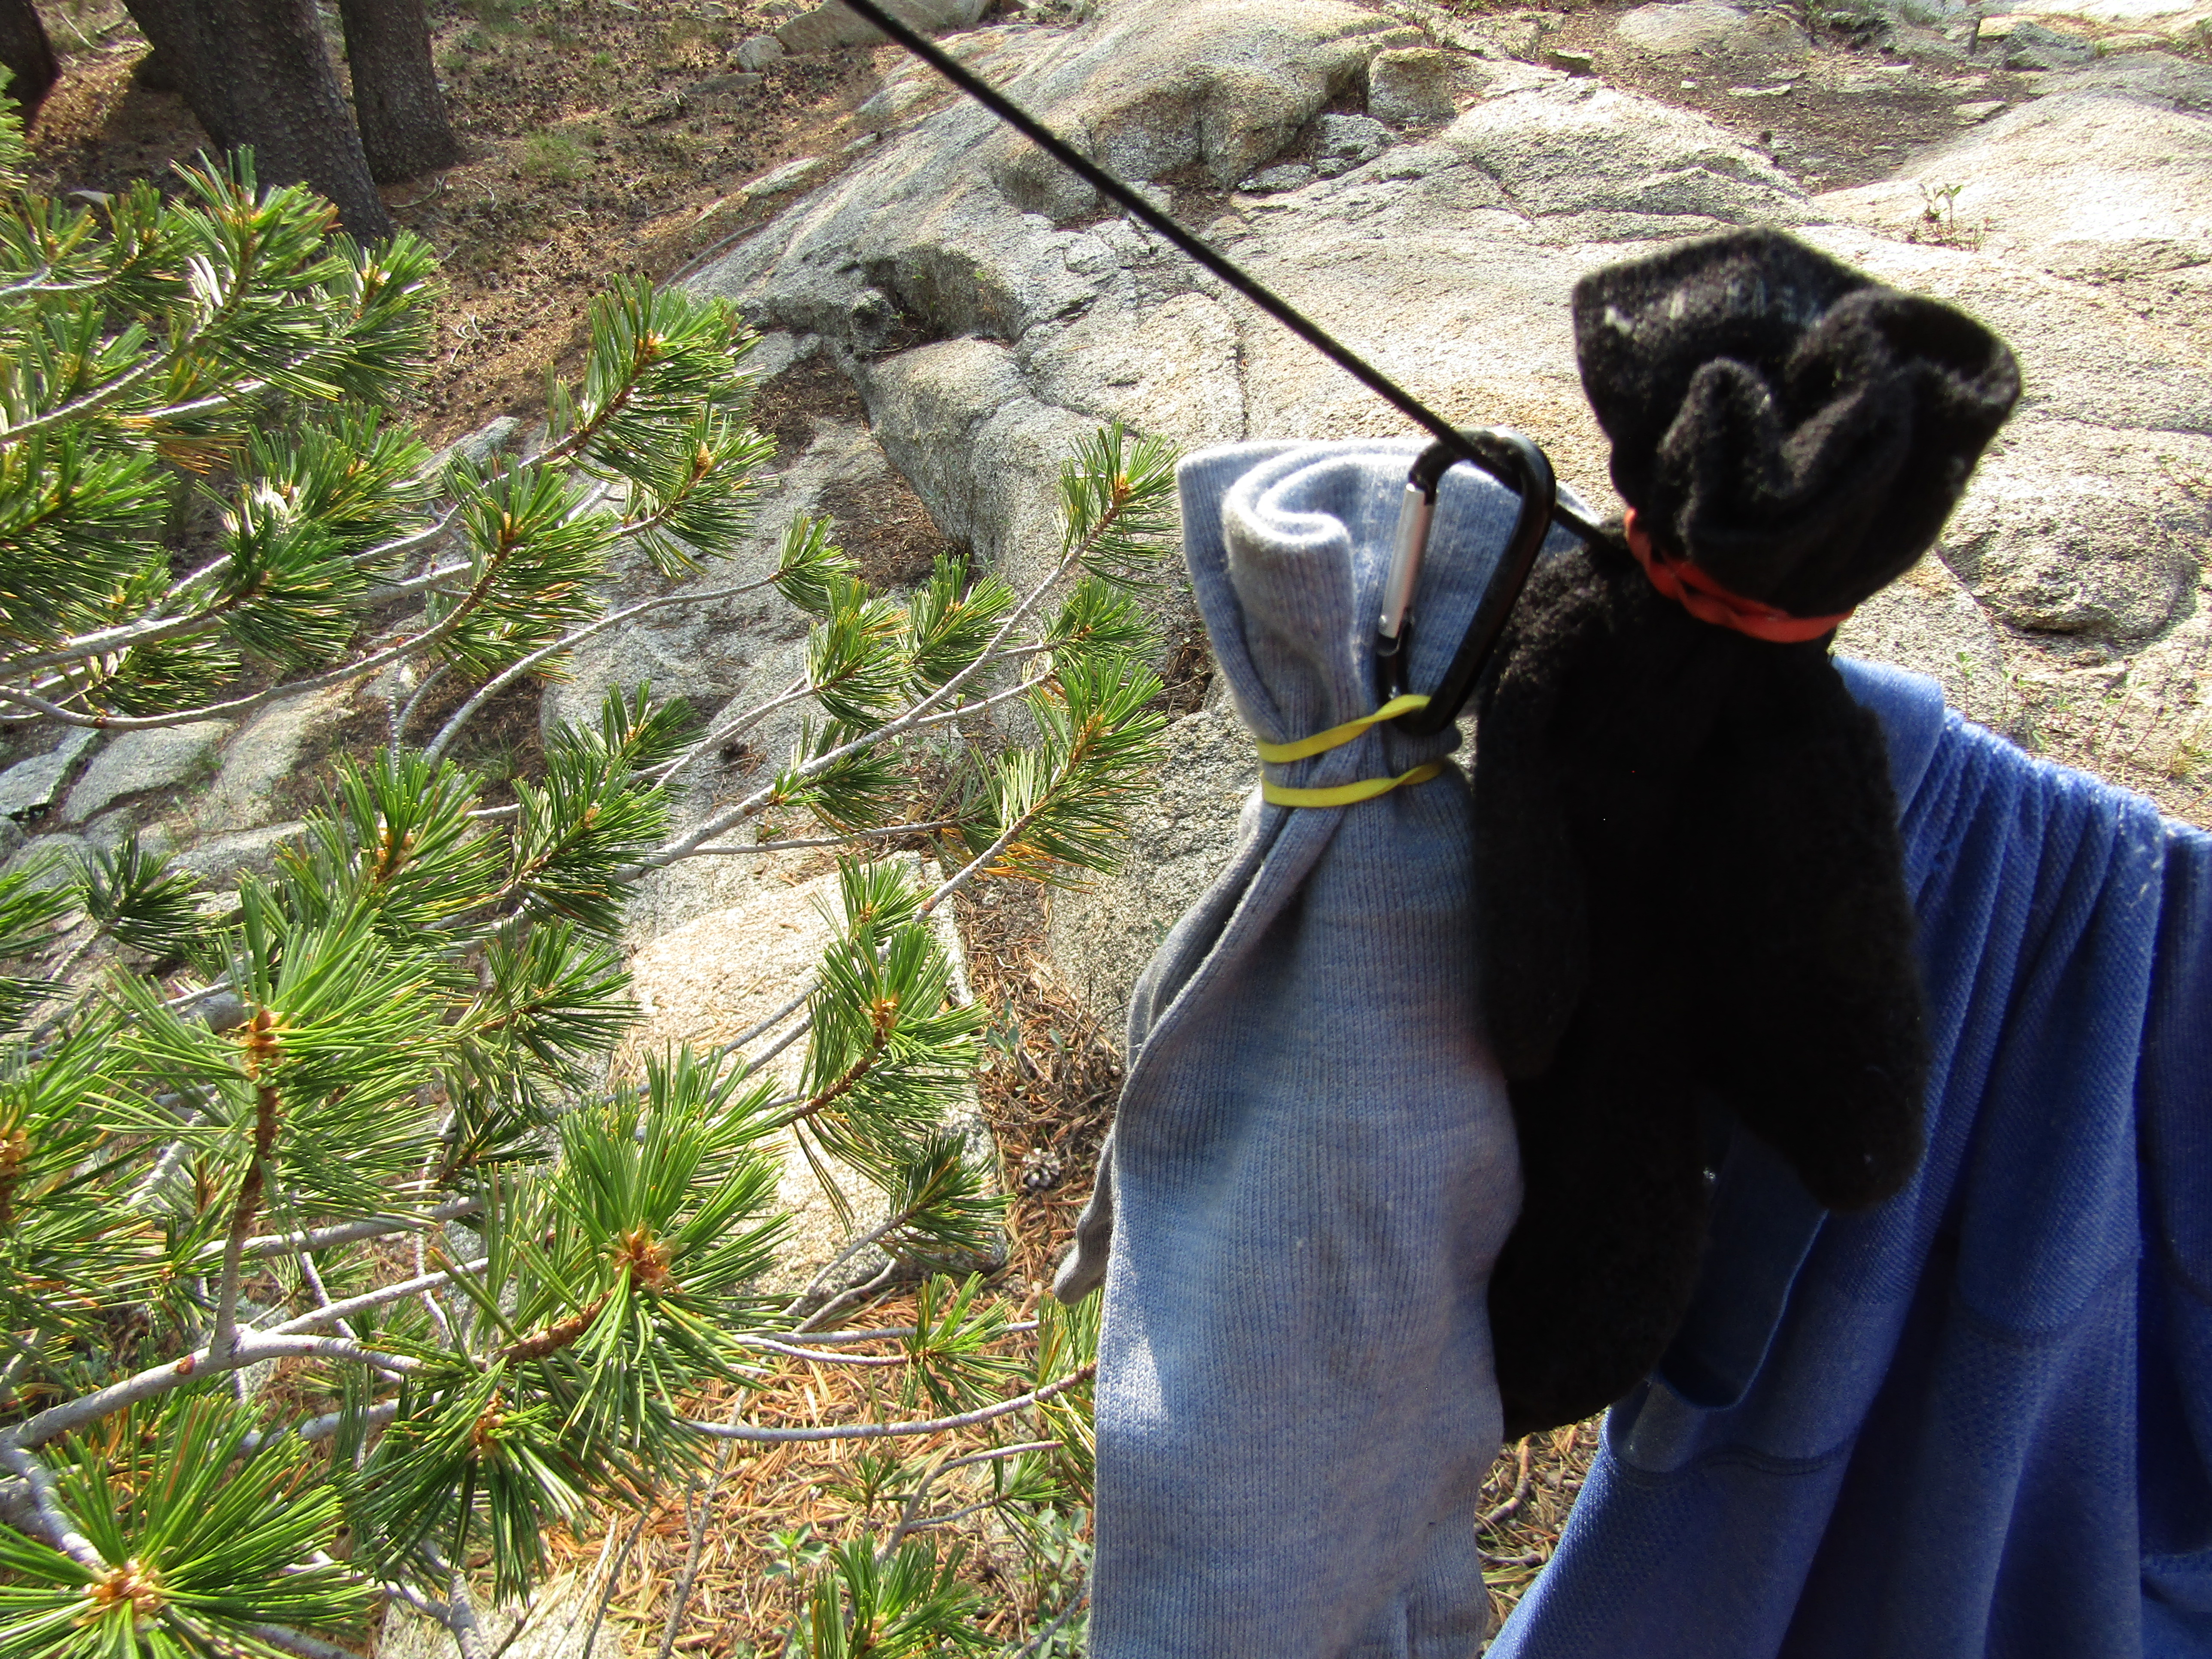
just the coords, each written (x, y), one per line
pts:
(1313, 1163)
(1977, 1420)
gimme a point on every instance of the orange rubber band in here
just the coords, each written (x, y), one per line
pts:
(1709, 601)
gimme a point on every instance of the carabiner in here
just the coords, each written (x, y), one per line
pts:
(1514, 461)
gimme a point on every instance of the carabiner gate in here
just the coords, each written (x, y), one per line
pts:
(1518, 464)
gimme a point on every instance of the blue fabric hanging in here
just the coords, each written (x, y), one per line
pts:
(1976, 1421)
(1313, 1165)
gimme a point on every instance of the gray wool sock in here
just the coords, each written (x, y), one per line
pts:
(1312, 1167)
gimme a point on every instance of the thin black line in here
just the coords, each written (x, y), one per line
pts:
(1280, 309)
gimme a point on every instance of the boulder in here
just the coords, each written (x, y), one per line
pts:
(758, 52)
(2031, 46)
(29, 788)
(2074, 530)
(828, 27)
(2108, 173)
(2172, 18)
(1342, 143)
(1928, 621)
(265, 751)
(797, 174)
(1686, 27)
(56, 859)
(1179, 835)
(551, 1624)
(110, 829)
(1409, 84)
(160, 757)
(892, 104)
(220, 860)
(493, 438)
(1284, 175)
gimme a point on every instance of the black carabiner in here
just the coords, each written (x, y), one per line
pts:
(1514, 461)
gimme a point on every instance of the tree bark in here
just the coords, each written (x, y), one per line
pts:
(257, 75)
(28, 55)
(403, 127)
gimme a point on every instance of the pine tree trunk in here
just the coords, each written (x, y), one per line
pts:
(403, 129)
(28, 55)
(255, 73)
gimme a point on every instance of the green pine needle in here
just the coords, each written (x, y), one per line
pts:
(203, 1543)
(133, 894)
(811, 567)
(1118, 505)
(1060, 806)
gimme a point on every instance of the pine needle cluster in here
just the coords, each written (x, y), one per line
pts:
(354, 1119)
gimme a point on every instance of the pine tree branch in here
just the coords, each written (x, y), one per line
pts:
(153, 629)
(540, 1344)
(406, 647)
(146, 632)
(845, 1299)
(409, 647)
(820, 1282)
(941, 1467)
(798, 690)
(821, 1355)
(431, 1305)
(316, 1429)
(753, 1436)
(507, 677)
(247, 1209)
(108, 641)
(93, 401)
(242, 275)
(690, 843)
(461, 1617)
(355, 1232)
(781, 1044)
(294, 1642)
(797, 1002)
(846, 1082)
(403, 713)
(845, 840)
(336, 1312)
(53, 1523)
(1037, 1644)
(251, 1349)
(923, 713)
(461, 1607)
(429, 1606)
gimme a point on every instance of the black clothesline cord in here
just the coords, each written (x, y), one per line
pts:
(1260, 295)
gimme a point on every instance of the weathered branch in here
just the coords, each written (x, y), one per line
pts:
(261, 1047)
(760, 1436)
(844, 839)
(336, 1312)
(60, 1532)
(251, 1349)
(354, 1232)
(944, 1466)
(297, 1643)
(507, 677)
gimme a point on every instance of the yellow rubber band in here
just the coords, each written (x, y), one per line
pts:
(1346, 794)
(1337, 736)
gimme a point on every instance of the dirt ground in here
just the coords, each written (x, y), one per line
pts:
(611, 136)
(599, 137)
